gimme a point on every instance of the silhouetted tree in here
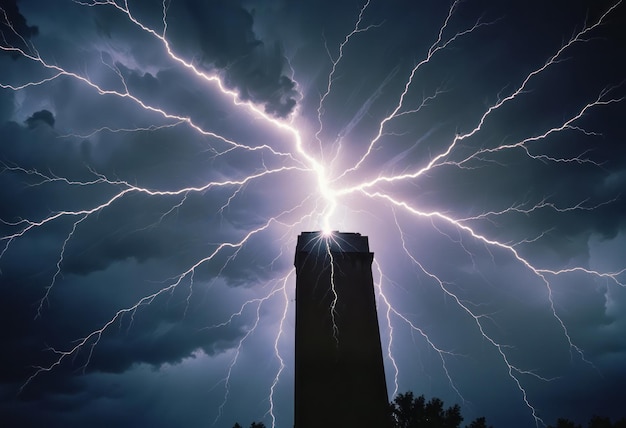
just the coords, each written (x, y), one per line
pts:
(252, 425)
(600, 422)
(620, 423)
(594, 422)
(410, 412)
(565, 423)
(479, 423)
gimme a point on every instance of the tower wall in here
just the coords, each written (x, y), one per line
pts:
(339, 373)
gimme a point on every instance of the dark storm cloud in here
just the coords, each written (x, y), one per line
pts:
(166, 331)
(254, 68)
(43, 116)
(14, 29)
(105, 238)
(109, 249)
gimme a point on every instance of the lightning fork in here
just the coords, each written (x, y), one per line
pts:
(94, 337)
(61, 72)
(538, 272)
(477, 318)
(391, 310)
(440, 158)
(434, 48)
(325, 191)
(130, 188)
(567, 125)
(281, 361)
(519, 208)
(335, 61)
(249, 332)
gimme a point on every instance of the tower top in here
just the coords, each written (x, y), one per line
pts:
(339, 242)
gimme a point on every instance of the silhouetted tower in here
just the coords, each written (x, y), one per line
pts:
(339, 373)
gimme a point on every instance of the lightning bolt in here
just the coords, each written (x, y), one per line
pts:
(335, 62)
(332, 189)
(437, 46)
(250, 331)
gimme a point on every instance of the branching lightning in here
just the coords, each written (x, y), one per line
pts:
(333, 189)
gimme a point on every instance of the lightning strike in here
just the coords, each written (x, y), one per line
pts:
(476, 317)
(333, 305)
(249, 332)
(331, 191)
(57, 273)
(438, 45)
(320, 109)
(277, 352)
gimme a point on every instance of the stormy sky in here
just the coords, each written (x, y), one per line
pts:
(159, 159)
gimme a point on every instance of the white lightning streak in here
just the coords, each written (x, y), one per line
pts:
(320, 109)
(439, 159)
(434, 48)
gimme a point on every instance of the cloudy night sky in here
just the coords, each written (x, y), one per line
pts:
(159, 159)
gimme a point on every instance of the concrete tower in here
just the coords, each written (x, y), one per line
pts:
(339, 373)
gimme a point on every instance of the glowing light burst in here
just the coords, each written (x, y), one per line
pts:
(332, 189)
